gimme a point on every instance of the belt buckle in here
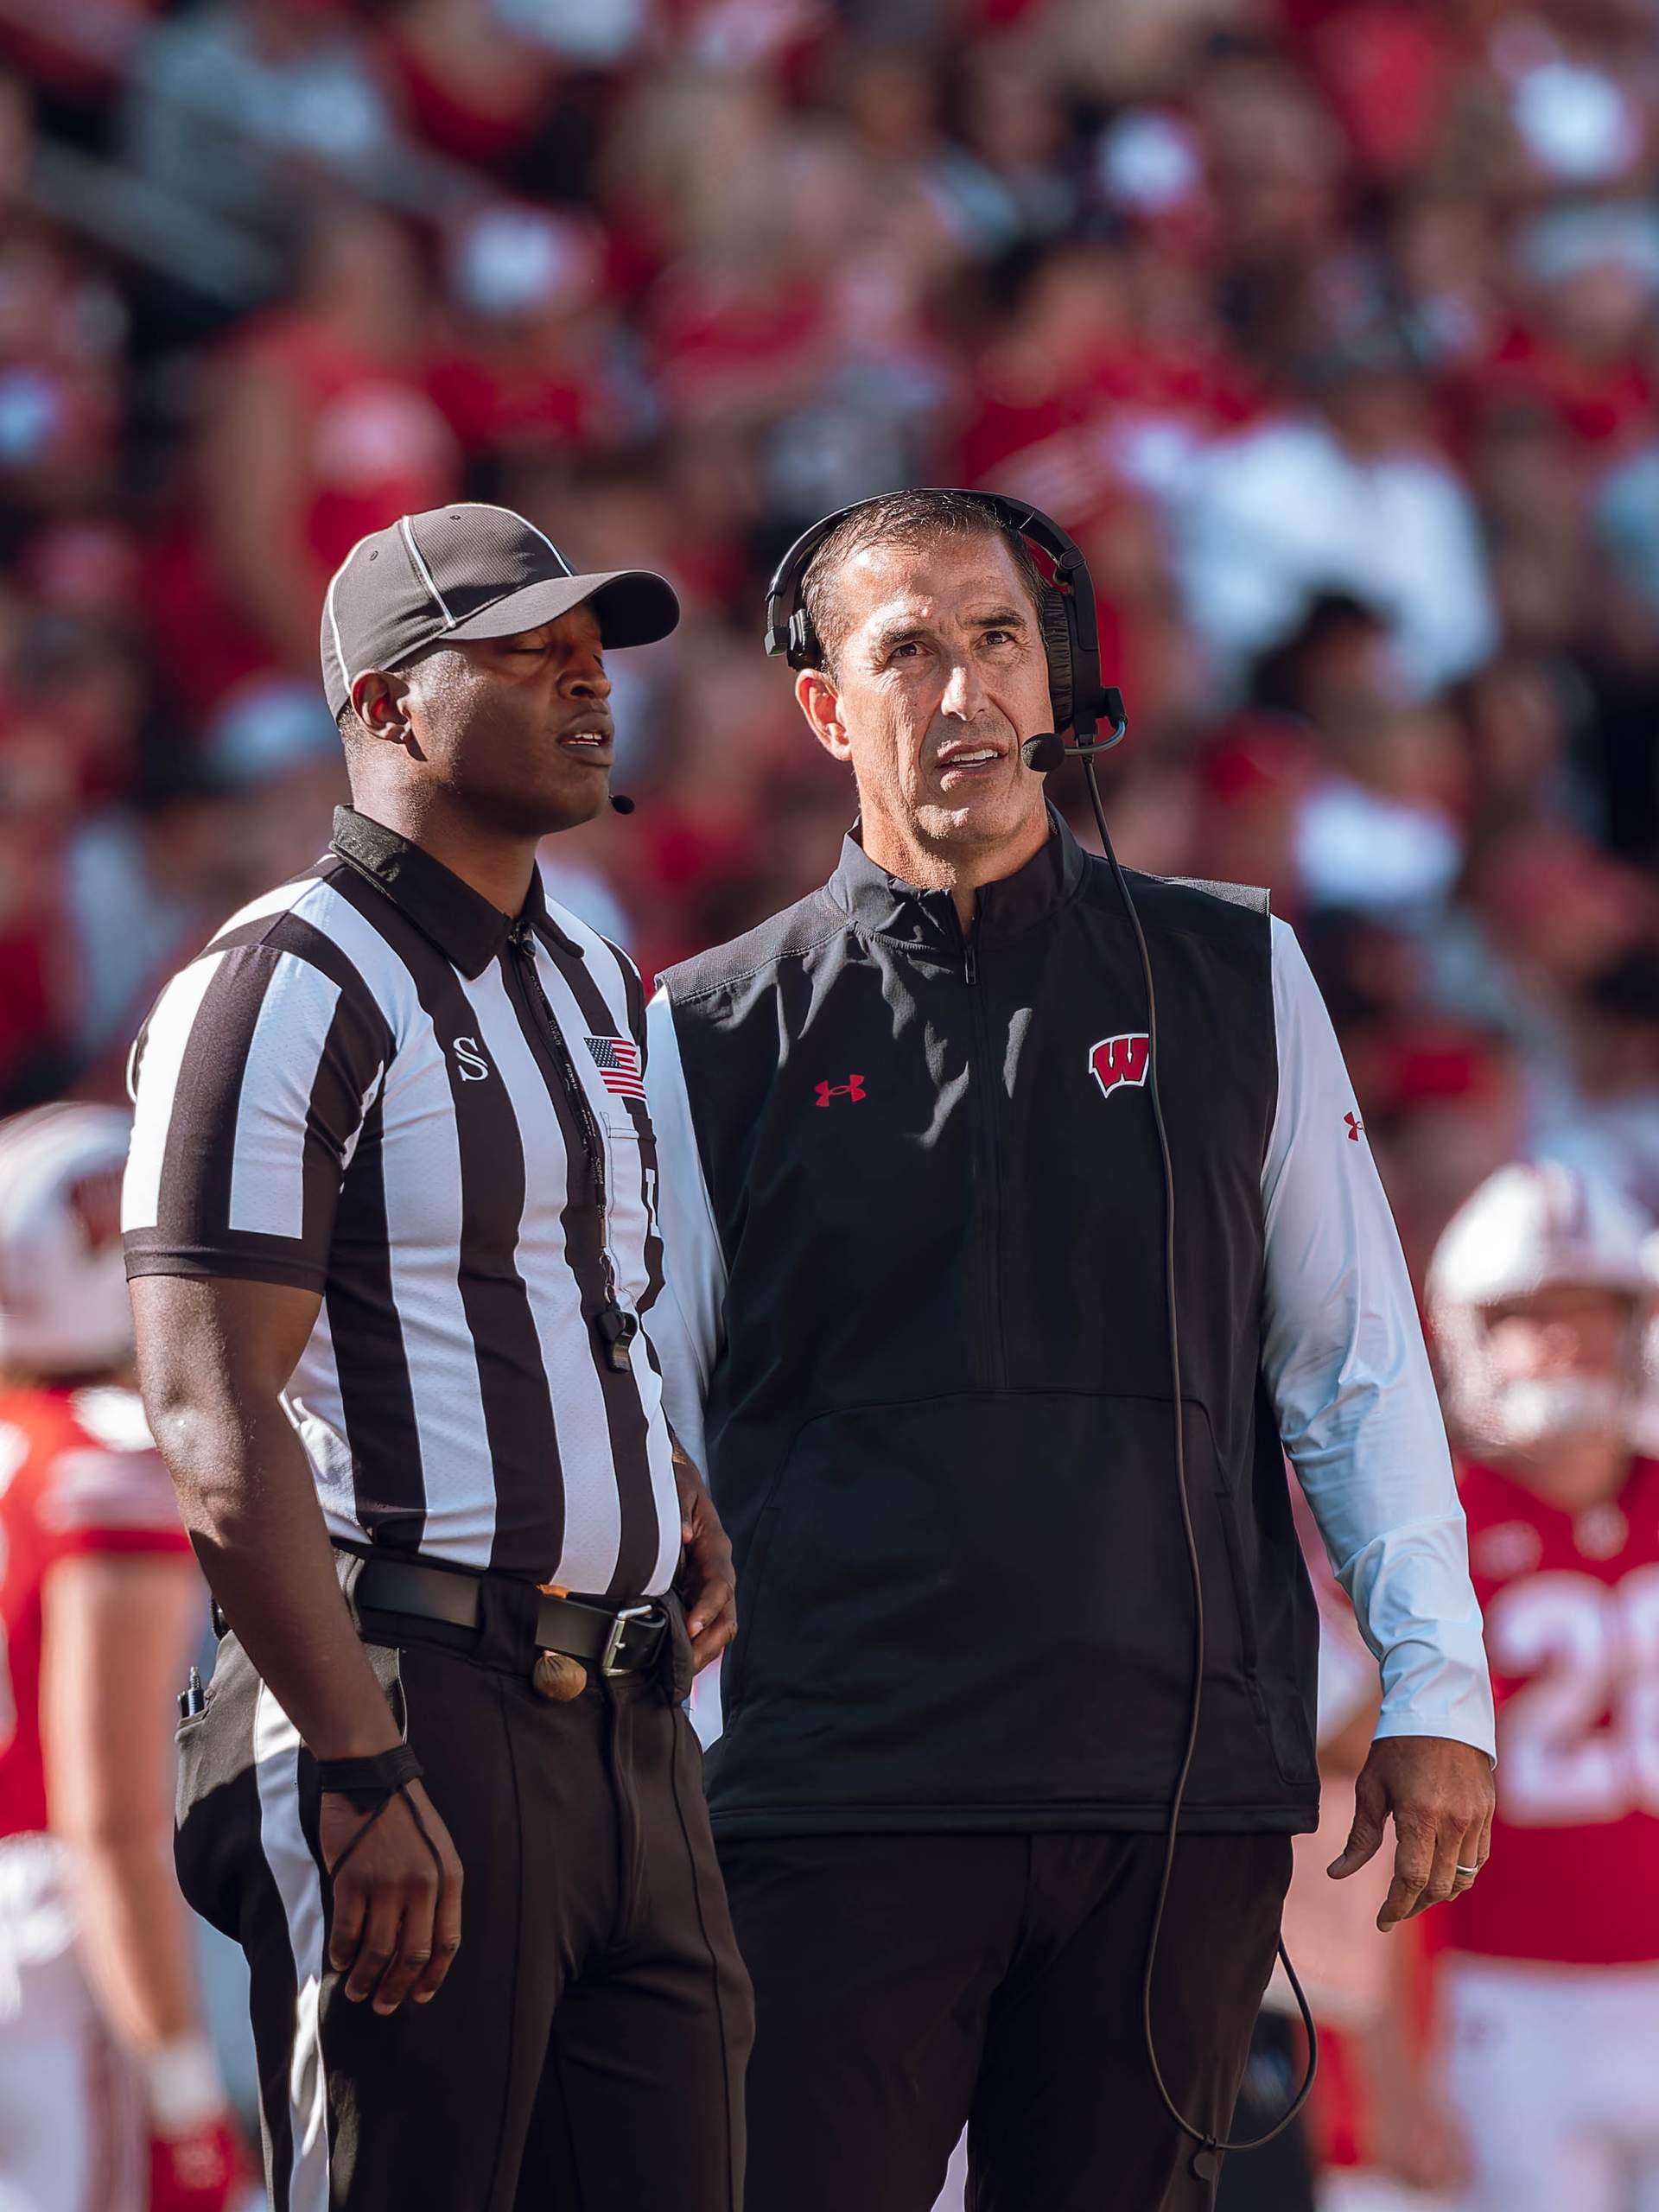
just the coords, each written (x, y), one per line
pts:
(607, 1666)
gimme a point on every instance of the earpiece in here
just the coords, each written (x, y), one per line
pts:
(804, 650)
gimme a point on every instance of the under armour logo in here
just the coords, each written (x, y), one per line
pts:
(853, 1089)
(470, 1059)
(1354, 1125)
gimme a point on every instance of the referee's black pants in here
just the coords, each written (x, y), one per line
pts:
(907, 1983)
(588, 2047)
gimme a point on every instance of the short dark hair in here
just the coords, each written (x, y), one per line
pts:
(909, 519)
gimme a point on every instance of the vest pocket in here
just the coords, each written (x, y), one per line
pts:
(1227, 1512)
(1291, 1758)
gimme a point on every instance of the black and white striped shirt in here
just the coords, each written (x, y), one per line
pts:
(374, 1085)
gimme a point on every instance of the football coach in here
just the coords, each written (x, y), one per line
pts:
(390, 1226)
(914, 1216)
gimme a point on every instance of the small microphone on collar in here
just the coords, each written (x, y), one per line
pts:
(620, 805)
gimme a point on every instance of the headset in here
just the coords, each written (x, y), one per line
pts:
(1080, 702)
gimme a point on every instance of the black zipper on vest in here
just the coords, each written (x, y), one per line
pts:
(987, 1178)
(616, 1326)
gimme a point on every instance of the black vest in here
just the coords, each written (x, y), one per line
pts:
(939, 1431)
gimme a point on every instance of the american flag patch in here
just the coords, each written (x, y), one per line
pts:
(618, 1063)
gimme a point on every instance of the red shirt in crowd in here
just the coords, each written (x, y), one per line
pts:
(1608, 406)
(375, 446)
(1071, 451)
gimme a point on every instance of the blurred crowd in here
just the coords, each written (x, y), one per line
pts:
(1328, 326)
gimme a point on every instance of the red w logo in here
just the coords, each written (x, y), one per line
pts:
(1119, 1059)
(853, 1089)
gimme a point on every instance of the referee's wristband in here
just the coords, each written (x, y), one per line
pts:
(368, 1782)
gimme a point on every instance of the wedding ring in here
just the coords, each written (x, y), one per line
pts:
(1469, 1871)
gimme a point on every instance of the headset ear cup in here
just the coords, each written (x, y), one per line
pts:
(1057, 648)
(803, 642)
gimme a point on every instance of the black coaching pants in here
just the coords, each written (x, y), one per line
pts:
(907, 1983)
(588, 2048)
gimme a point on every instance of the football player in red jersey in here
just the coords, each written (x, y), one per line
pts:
(110, 2099)
(1548, 1970)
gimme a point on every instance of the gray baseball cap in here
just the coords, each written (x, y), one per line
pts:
(469, 571)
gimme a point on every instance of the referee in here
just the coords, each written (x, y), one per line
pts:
(915, 1220)
(390, 1227)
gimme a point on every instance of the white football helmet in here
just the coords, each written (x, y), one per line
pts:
(1532, 1227)
(63, 1291)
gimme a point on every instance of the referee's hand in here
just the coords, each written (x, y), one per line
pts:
(708, 1589)
(1439, 1794)
(397, 1903)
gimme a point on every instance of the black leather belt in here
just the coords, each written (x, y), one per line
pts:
(619, 1641)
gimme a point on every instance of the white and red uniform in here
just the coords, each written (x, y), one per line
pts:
(1550, 1976)
(79, 1475)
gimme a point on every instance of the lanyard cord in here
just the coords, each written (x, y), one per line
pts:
(1209, 2146)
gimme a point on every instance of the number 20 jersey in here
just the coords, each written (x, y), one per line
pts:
(1572, 1609)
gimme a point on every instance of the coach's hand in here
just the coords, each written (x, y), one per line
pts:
(397, 1902)
(1440, 1793)
(710, 1587)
